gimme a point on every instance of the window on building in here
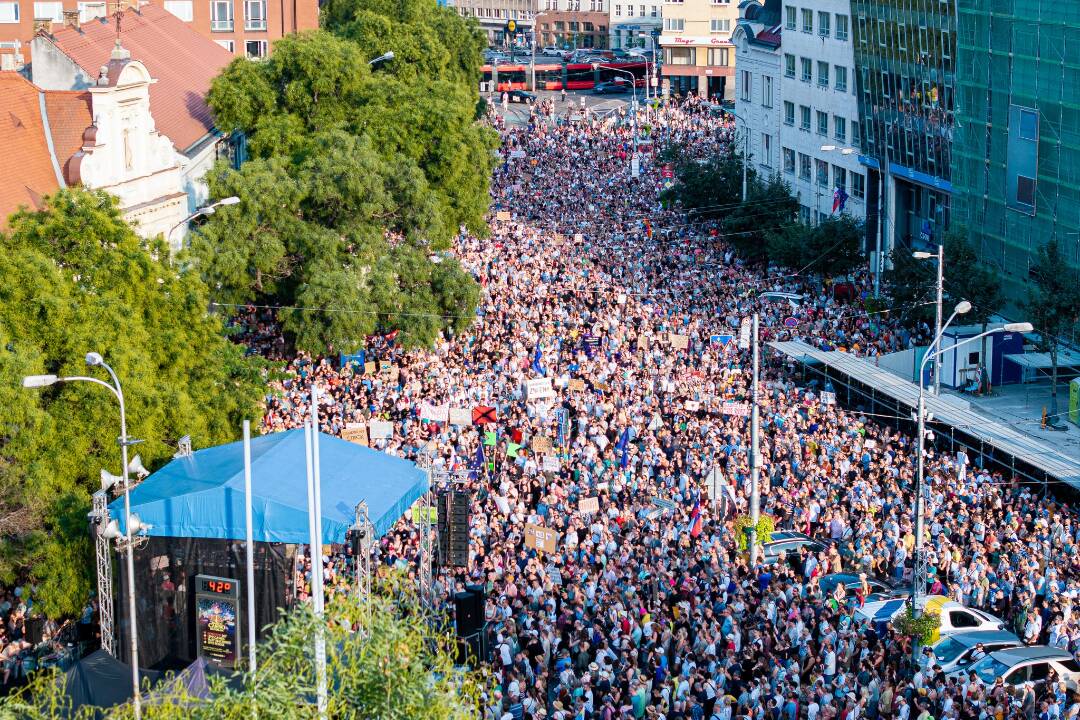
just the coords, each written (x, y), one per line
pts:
(789, 17)
(255, 15)
(641, 9)
(789, 161)
(1025, 190)
(766, 91)
(840, 128)
(823, 73)
(807, 20)
(718, 26)
(255, 49)
(766, 150)
(53, 11)
(789, 65)
(9, 12)
(747, 85)
(804, 214)
(804, 166)
(822, 173)
(653, 13)
(822, 123)
(680, 56)
(824, 24)
(841, 27)
(858, 185)
(789, 112)
(1029, 124)
(221, 15)
(719, 57)
(91, 10)
(839, 177)
(618, 11)
(804, 117)
(807, 69)
(227, 44)
(674, 24)
(840, 73)
(855, 139)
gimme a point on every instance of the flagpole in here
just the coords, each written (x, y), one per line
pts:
(249, 551)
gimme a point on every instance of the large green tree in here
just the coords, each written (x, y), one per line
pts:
(968, 279)
(360, 176)
(832, 247)
(77, 279)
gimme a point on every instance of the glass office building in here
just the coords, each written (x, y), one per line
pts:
(1016, 151)
(905, 59)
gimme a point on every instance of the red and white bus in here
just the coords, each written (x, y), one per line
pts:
(559, 76)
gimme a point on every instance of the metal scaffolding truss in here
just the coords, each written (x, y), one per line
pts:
(439, 481)
(365, 542)
(100, 516)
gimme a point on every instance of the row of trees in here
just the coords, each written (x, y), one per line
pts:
(360, 175)
(765, 228)
(401, 666)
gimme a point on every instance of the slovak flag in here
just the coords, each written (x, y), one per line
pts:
(839, 199)
(695, 520)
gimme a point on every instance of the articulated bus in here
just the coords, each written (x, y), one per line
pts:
(557, 76)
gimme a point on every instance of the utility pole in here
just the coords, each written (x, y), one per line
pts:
(755, 457)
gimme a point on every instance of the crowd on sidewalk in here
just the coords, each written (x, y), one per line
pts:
(646, 608)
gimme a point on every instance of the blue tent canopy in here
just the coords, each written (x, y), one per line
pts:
(202, 495)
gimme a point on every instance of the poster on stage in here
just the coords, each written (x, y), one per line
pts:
(588, 506)
(216, 622)
(460, 416)
(355, 433)
(541, 538)
(380, 429)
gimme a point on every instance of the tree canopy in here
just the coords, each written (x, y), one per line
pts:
(1053, 307)
(360, 176)
(77, 279)
(832, 247)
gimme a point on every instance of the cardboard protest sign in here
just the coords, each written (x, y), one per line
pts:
(460, 416)
(517, 154)
(541, 445)
(577, 385)
(588, 506)
(679, 342)
(355, 433)
(550, 463)
(380, 430)
(736, 409)
(369, 367)
(502, 215)
(541, 538)
(692, 405)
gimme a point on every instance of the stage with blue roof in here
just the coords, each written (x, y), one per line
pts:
(202, 495)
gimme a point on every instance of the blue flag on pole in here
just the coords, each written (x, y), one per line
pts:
(623, 446)
(536, 366)
(477, 463)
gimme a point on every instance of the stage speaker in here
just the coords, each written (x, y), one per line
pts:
(469, 613)
(35, 630)
(453, 528)
(471, 650)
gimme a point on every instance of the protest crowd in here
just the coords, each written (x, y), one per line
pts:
(647, 607)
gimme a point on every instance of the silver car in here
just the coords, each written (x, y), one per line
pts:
(962, 649)
(1015, 666)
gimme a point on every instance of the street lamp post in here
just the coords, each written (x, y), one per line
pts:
(918, 584)
(940, 292)
(532, 56)
(94, 359)
(388, 55)
(633, 104)
(207, 210)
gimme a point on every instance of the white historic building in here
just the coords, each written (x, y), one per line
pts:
(818, 107)
(757, 41)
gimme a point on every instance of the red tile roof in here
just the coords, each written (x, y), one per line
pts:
(69, 116)
(26, 170)
(181, 60)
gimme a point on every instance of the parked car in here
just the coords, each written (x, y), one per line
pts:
(879, 589)
(520, 96)
(613, 86)
(552, 51)
(955, 618)
(962, 649)
(786, 545)
(1018, 665)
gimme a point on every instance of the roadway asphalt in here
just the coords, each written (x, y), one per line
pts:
(518, 113)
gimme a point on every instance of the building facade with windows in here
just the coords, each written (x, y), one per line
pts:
(757, 39)
(819, 108)
(492, 16)
(572, 23)
(243, 27)
(635, 24)
(1016, 157)
(905, 53)
(698, 55)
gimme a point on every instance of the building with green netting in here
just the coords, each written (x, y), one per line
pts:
(1016, 147)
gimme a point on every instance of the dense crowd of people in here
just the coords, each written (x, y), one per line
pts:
(647, 607)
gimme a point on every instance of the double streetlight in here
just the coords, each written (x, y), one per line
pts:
(132, 524)
(918, 585)
(201, 212)
(940, 255)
